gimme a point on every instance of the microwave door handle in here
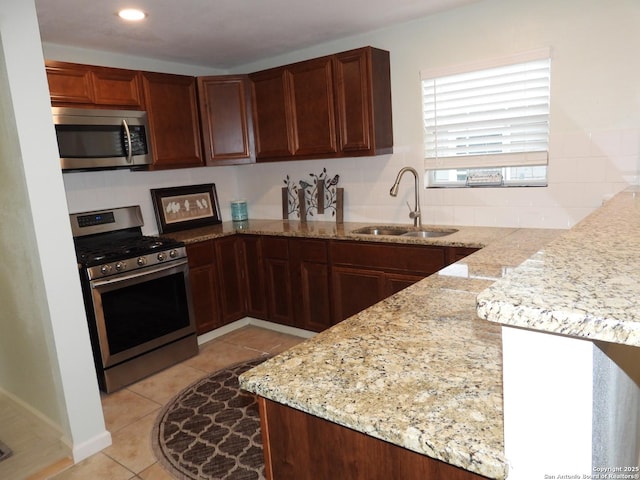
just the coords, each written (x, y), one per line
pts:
(130, 150)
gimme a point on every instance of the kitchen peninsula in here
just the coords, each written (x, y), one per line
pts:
(570, 335)
(419, 370)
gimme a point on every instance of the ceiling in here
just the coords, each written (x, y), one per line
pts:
(221, 33)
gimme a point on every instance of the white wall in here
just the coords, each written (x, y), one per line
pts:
(548, 393)
(45, 351)
(595, 117)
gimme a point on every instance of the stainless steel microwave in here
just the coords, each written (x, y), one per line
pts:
(92, 139)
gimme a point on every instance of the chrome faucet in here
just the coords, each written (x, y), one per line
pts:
(415, 214)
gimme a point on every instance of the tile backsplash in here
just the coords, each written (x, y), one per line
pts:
(584, 170)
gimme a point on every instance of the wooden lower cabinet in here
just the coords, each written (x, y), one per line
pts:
(311, 276)
(302, 282)
(216, 276)
(355, 289)
(229, 268)
(299, 446)
(277, 274)
(254, 284)
(364, 273)
(296, 282)
(204, 286)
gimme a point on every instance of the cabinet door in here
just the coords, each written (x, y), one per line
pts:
(363, 101)
(69, 83)
(353, 105)
(355, 289)
(312, 105)
(399, 281)
(91, 86)
(254, 285)
(230, 278)
(311, 283)
(225, 113)
(271, 114)
(204, 286)
(117, 87)
(278, 280)
(173, 119)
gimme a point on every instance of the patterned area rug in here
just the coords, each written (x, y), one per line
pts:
(211, 430)
(5, 452)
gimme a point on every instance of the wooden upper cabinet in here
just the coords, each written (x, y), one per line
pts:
(225, 115)
(333, 106)
(363, 102)
(312, 107)
(294, 113)
(272, 121)
(172, 106)
(69, 83)
(72, 84)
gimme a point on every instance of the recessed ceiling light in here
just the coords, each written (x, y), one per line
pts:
(132, 14)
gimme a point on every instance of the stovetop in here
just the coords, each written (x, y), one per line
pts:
(112, 248)
(109, 242)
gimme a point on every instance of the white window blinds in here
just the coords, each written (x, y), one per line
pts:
(495, 116)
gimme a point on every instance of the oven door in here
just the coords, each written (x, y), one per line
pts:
(140, 311)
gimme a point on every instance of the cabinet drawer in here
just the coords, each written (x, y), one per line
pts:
(423, 259)
(275, 247)
(200, 253)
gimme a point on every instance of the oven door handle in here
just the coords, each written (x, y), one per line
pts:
(138, 274)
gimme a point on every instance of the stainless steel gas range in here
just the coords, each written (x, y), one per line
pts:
(136, 294)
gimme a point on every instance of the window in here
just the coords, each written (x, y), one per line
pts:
(488, 124)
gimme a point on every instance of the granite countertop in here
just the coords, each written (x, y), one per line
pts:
(418, 369)
(584, 284)
(477, 237)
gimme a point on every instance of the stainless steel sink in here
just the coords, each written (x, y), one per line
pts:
(381, 230)
(404, 231)
(429, 233)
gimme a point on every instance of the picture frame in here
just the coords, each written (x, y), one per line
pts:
(182, 208)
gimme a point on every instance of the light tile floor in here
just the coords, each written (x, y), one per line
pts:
(131, 412)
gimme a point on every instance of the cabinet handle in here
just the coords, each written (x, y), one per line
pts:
(130, 150)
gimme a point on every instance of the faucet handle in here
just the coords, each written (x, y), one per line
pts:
(413, 214)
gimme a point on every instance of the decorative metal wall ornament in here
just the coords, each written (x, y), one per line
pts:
(315, 196)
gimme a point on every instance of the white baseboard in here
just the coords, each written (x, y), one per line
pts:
(48, 427)
(298, 332)
(91, 446)
(243, 322)
(37, 417)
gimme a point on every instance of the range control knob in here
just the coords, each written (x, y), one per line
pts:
(105, 269)
(162, 256)
(173, 253)
(120, 266)
(142, 261)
